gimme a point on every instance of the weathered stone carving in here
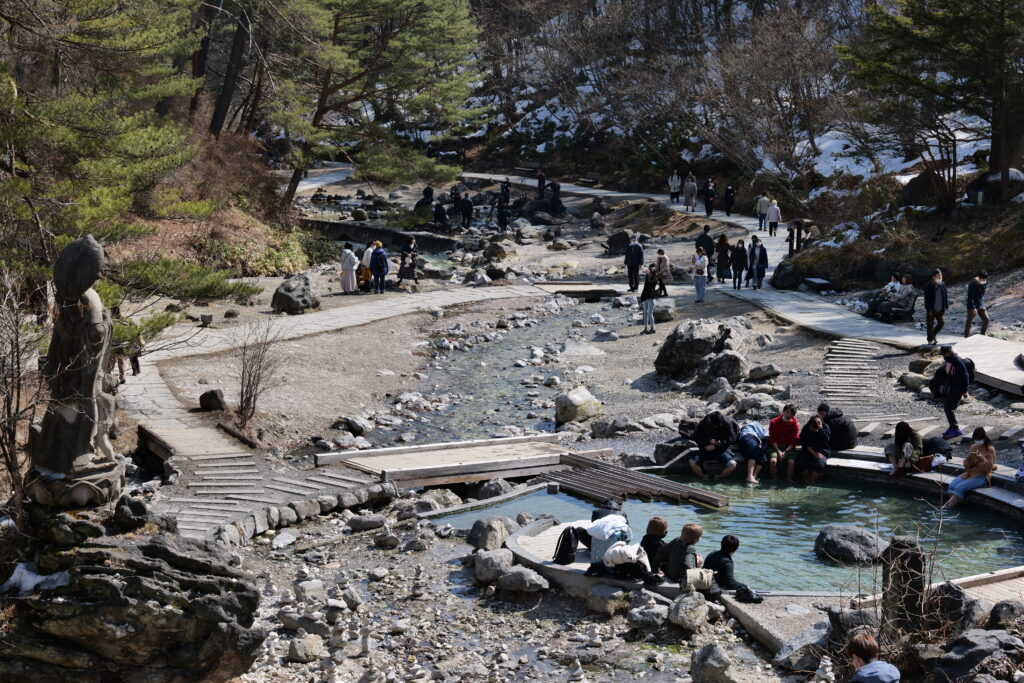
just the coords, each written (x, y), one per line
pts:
(73, 461)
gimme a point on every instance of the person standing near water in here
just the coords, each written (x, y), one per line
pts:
(379, 266)
(349, 264)
(978, 467)
(700, 273)
(936, 301)
(633, 261)
(647, 297)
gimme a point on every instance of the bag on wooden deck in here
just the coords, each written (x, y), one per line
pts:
(565, 548)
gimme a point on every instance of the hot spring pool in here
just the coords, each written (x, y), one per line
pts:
(777, 525)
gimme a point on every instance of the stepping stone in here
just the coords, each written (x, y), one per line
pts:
(924, 432)
(291, 488)
(248, 477)
(867, 429)
(1011, 432)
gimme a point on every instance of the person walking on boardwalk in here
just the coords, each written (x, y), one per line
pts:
(976, 302)
(700, 273)
(710, 195)
(936, 301)
(675, 182)
(954, 389)
(739, 264)
(761, 207)
(633, 261)
(774, 217)
(379, 266)
(690, 193)
(541, 183)
(647, 297)
(707, 242)
(722, 261)
(349, 265)
(730, 199)
(664, 272)
(757, 266)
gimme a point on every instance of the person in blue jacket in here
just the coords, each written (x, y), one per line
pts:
(634, 259)
(379, 267)
(976, 302)
(863, 651)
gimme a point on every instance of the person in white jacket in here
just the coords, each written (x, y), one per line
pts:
(774, 217)
(349, 264)
(675, 182)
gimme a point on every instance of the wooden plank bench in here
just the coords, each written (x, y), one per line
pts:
(530, 167)
(588, 179)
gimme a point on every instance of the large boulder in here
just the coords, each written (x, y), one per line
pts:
(618, 241)
(913, 381)
(153, 608)
(848, 545)
(497, 251)
(921, 190)
(689, 611)
(647, 616)
(522, 580)
(690, 342)
(489, 565)
(976, 652)
(711, 664)
(576, 406)
(990, 183)
(954, 609)
(1006, 615)
(296, 294)
(785, 276)
(730, 365)
(490, 489)
(212, 400)
(664, 311)
(490, 533)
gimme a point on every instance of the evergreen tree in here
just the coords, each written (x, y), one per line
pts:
(961, 58)
(371, 75)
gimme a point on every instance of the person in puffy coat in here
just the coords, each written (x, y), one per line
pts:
(842, 429)
(773, 218)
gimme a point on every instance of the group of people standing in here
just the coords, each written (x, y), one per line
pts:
(367, 273)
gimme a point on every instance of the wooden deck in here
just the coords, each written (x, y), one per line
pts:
(1005, 584)
(995, 362)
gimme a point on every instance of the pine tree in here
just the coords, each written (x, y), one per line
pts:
(377, 73)
(962, 58)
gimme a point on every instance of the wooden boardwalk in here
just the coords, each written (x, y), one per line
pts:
(995, 362)
(992, 587)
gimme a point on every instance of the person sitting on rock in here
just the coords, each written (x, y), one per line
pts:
(714, 435)
(674, 558)
(720, 562)
(654, 539)
(750, 446)
(842, 430)
(783, 437)
(905, 450)
(441, 215)
(815, 451)
(863, 651)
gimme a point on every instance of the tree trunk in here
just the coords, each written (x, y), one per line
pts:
(293, 186)
(234, 66)
(204, 23)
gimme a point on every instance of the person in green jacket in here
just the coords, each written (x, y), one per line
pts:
(905, 449)
(674, 558)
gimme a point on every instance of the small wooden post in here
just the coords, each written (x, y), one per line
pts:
(903, 587)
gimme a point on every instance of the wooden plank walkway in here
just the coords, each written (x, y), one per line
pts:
(994, 362)
(851, 374)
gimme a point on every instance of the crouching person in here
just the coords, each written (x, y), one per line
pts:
(714, 435)
(625, 561)
(905, 451)
(720, 562)
(751, 446)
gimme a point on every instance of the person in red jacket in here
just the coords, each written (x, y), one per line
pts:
(783, 437)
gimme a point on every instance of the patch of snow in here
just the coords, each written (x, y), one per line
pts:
(25, 580)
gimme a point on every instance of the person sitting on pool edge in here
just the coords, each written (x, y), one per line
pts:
(714, 434)
(720, 561)
(863, 651)
(674, 558)
(654, 539)
(905, 450)
(750, 446)
(841, 429)
(978, 467)
(814, 452)
(783, 437)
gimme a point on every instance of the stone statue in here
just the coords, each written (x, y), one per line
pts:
(71, 454)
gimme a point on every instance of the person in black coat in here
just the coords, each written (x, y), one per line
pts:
(739, 263)
(714, 434)
(506, 191)
(757, 264)
(721, 563)
(634, 259)
(466, 209)
(706, 242)
(710, 194)
(441, 214)
(976, 302)
(815, 451)
(954, 389)
(541, 183)
(936, 301)
(730, 199)
(504, 216)
(842, 430)
(654, 539)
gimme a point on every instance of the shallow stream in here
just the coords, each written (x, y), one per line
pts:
(777, 526)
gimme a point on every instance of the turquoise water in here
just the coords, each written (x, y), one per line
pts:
(777, 525)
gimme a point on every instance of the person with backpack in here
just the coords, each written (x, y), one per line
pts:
(674, 184)
(739, 263)
(954, 389)
(773, 218)
(761, 207)
(936, 301)
(690, 193)
(842, 430)
(647, 297)
(976, 302)
(379, 266)
(634, 259)
(721, 563)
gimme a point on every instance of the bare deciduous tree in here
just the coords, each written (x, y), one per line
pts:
(258, 362)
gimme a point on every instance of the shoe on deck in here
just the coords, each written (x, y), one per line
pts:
(952, 433)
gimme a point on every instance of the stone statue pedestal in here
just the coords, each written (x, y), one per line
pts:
(91, 486)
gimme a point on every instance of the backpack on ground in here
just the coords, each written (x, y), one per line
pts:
(565, 548)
